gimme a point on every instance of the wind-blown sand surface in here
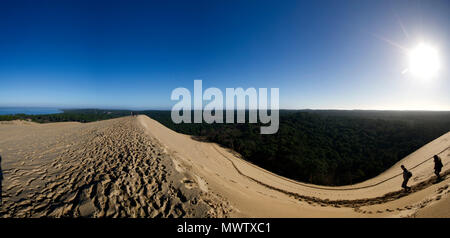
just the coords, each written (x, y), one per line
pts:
(107, 168)
(136, 167)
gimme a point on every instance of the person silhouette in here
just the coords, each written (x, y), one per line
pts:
(406, 176)
(437, 166)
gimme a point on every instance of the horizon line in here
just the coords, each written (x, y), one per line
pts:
(169, 109)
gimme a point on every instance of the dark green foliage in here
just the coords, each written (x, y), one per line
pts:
(78, 115)
(328, 147)
(325, 147)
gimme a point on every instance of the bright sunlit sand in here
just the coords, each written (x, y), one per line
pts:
(225, 109)
(98, 169)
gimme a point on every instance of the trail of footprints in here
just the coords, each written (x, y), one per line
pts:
(115, 171)
(412, 209)
(112, 169)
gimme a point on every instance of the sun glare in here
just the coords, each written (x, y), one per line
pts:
(423, 61)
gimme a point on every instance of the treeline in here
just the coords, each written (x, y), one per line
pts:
(78, 115)
(329, 147)
(325, 147)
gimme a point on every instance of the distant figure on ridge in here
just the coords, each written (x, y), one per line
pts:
(406, 176)
(437, 166)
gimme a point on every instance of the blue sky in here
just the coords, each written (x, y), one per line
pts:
(132, 54)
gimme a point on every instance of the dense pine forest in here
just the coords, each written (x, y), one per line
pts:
(325, 147)
(329, 147)
(77, 115)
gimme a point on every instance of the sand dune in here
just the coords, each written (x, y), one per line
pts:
(136, 167)
(255, 192)
(102, 169)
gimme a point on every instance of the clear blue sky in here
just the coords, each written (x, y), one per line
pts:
(132, 54)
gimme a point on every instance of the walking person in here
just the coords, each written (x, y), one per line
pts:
(406, 176)
(437, 167)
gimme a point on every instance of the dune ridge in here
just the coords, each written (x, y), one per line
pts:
(136, 167)
(254, 191)
(102, 169)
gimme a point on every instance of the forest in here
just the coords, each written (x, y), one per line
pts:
(327, 147)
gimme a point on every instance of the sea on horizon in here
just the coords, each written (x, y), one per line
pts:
(28, 110)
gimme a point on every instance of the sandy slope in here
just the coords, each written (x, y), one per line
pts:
(255, 192)
(108, 168)
(135, 167)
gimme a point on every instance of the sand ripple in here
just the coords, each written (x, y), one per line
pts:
(103, 169)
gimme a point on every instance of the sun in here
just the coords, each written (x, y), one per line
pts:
(423, 61)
